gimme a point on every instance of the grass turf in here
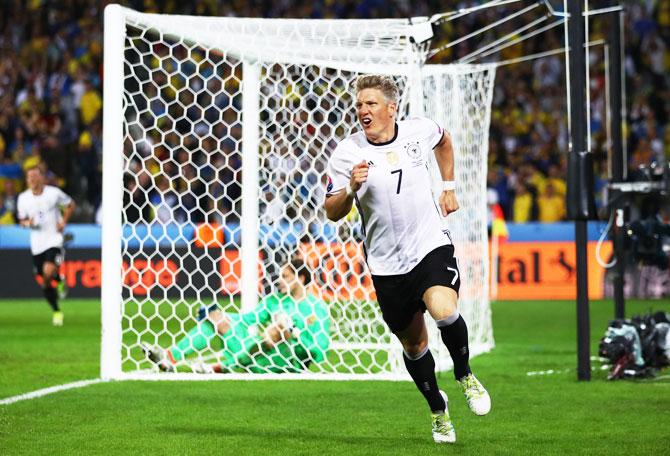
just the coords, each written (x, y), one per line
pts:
(540, 414)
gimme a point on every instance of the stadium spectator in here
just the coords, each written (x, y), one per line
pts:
(135, 201)
(163, 201)
(554, 178)
(274, 207)
(90, 104)
(497, 181)
(550, 204)
(21, 147)
(88, 163)
(523, 206)
(51, 82)
(6, 213)
(284, 333)
(9, 196)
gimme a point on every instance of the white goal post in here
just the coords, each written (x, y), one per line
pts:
(216, 136)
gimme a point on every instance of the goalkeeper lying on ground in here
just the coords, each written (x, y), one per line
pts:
(284, 333)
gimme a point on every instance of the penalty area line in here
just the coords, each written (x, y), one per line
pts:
(564, 371)
(547, 372)
(50, 390)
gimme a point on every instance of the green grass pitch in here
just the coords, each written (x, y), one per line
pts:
(534, 415)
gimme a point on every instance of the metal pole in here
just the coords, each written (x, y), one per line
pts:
(112, 195)
(577, 67)
(618, 162)
(249, 224)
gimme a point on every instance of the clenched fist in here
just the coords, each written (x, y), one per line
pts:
(359, 175)
(448, 202)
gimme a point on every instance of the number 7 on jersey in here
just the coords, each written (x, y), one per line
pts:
(399, 172)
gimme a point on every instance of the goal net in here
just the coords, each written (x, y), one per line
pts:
(217, 134)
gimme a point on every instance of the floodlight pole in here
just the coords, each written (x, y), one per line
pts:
(618, 159)
(578, 159)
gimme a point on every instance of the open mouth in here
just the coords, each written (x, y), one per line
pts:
(366, 121)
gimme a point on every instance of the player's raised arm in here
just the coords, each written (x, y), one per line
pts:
(339, 204)
(444, 153)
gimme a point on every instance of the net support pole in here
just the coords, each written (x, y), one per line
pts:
(618, 160)
(249, 221)
(112, 187)
(415, 83)
(579, 161)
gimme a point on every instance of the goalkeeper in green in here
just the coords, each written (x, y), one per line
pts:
(284, 333)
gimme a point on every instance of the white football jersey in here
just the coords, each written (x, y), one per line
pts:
(45, 210)
(401, 220)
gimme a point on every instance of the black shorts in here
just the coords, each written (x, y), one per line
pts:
(53, 255)
(401, 296)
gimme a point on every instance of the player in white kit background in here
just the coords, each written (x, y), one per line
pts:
(45, 210)
(384, 171)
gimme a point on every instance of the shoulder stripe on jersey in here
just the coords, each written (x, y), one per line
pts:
(440, 141)
(441, 130)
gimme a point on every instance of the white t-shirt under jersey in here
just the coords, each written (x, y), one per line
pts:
(45, 210)
(401, 219)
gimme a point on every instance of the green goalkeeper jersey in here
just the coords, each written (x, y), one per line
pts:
(310, 343)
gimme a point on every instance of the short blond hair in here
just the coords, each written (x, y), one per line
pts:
(34, 167)
(382, 82)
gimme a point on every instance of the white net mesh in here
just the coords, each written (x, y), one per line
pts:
(184, 169)
(459, 98)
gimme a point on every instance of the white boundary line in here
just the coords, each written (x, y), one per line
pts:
(50, 390)
(82, 383)
(547, 372)
(564, 371)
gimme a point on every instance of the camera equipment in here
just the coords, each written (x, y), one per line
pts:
(644, 239)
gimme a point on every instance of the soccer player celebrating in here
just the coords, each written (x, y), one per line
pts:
(46, 210)
(284, 333)
(383, 169)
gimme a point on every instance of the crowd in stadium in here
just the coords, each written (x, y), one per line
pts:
(51, 96)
